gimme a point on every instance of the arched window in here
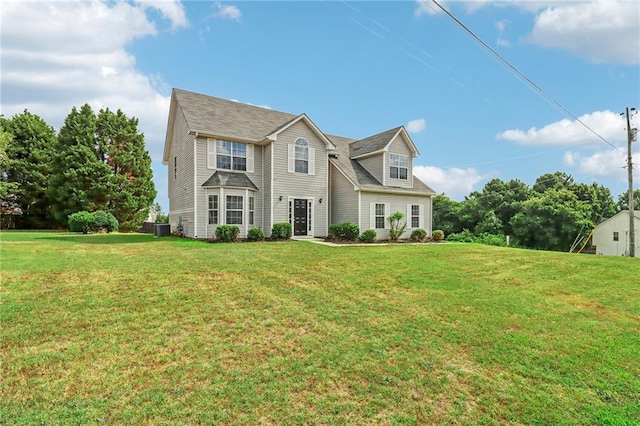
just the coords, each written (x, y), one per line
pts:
(301, 155)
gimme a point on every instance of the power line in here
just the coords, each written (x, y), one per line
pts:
(553, 101)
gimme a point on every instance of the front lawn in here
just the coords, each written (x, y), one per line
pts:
(130, 329)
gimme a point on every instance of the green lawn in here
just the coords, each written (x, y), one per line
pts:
(130, 329)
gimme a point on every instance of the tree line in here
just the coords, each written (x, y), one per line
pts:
(551, 215)
(96, 162)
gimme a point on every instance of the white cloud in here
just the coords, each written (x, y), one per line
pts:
(603, 164)
(607, 124)
(455, 182)
(57, 55)
(417, 126)
(170, 9)
(231, 13)
(600, 30)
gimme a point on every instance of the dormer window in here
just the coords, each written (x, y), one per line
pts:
(399, 166)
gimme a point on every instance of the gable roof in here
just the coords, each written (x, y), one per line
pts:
(230, 180)
(379, 142)
(361, 178)
(273, 136)
(636, 215)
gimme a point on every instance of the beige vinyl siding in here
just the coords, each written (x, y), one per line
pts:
(344, 198)
(399, 146)
(374, 165)
(204, 230)
(267, 196)
(298, 185)
(396, 203)
(181, 185)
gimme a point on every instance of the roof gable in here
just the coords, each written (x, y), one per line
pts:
(380, 142)
(273, 136)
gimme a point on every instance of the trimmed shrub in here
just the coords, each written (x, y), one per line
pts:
(80, 222)
(227, 233)
(348, 231)
(104, 220)
(281, 231)
(368, 236)
(255, 234)
(438, 235)
(418, 234)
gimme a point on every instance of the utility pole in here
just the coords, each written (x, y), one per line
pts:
(632, 232)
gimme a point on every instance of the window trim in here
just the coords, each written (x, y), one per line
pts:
(252, 209)
(228, 201)
(616, 236)
(377, 216)
(400, 163)
(301, 146)
(415, 216)
(214, 209)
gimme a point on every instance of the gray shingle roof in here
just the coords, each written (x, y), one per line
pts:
(230, 180)
(225, 118)
(372, 143)
(361, 177)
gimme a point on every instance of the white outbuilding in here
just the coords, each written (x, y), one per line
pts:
(611, 236)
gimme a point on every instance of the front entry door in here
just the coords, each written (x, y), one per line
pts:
(299, 216)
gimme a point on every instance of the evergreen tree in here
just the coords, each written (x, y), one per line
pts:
(121, 147)
(26, 168)
(80, 179)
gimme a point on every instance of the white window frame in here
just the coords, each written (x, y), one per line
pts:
(229, 200)
(398, 163)
(213, 152)
(293, 153)
(252, 207)
(616, 236)
(411, 215)
(214, 210)
(373, 215)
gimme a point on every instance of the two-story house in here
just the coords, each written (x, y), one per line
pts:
(232, 163)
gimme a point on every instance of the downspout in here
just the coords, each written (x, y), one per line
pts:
(195, 187)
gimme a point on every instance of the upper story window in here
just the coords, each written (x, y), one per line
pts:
(399, 166)
(231, 155)
(302, 158)
(302, 155)
(227, 155)
(616, 236)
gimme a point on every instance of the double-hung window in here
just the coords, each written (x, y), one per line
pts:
(379, 216)
(231, 155)
(399, 166)
(415, 216)
(234, 209)
(302, 155)
(616, 236)
(213, 210)
(251, 210)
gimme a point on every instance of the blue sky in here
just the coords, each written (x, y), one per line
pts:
(356, 69)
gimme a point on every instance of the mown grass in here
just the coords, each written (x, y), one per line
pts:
(128, 329)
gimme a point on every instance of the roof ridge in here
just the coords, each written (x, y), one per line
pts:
(234, 102)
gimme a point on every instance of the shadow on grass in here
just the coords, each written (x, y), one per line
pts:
(106, 238)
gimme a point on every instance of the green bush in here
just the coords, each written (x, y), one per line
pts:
(368, 236)
(438, 235)
(255, 234)
(395, 228)
(80, 222)
(348, 231)
(104, 220)
(465, 236)
(281, 231)
(418, 234)
(492, 239)
(227, 233)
